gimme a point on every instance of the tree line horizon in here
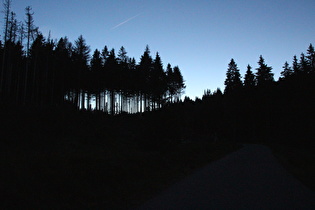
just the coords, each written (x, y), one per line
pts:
(44, 72)
(263, 76)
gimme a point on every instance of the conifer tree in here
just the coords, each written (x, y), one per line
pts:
(111, 66)
(123, 72)
(249, 79)
(157, 81)
(295, 65)
(170, 82)
(233, 78)
(264, 75)
(81, 59)
(145, 67)
(94, 80)
(122, 55)
(179, 82)
(311, 57)
(304, 65)
(37, 57)
(287, 71)
(63, 68)
(105, 54)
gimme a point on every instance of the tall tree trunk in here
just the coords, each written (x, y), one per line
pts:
(112, 101)
(7, 9)
(99, 100)
(83, 100)
(88, 98)
(76, 98)
(26, 81)
(53, 100)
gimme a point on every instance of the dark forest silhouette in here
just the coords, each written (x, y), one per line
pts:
(44, 72)
(38, 72)
(260, 107)
(103, 130)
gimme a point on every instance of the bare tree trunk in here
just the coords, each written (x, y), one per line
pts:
(29, 23)
(88, 101)
(99, 101)
(76, 98)
(83, 100)
(112, 102)
(53, 100)
(7, 9)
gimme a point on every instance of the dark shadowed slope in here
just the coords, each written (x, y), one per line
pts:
(250, 178)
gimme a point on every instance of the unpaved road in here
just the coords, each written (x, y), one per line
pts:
(250, 178)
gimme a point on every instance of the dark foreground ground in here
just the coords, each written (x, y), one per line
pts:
(69, 159)
(250, 178)
(57, 161)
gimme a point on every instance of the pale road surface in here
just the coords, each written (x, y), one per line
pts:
(250, 178)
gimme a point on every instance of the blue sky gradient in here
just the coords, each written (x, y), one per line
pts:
(200, 36)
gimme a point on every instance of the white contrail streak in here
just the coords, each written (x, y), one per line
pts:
(126, 21)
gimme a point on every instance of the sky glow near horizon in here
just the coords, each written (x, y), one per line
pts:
(199, 36)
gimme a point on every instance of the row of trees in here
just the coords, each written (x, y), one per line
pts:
(43, 72)
(264, 76)
(258, 108)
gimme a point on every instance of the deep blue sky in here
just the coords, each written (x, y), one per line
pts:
(200, 36)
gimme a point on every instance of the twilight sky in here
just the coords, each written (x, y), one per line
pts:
(200, 36)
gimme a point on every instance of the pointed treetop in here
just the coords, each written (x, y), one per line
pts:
(249, 79)
(157, 58)
(310, 49)
(233, 77)
(147, 49)
(122, 55)
(82, 49)
(295, 65)
(287, 71)
(146, 59)
(264, 74)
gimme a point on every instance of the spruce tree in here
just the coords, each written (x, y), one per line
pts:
(311, 57)
(179, 82)
(81, 58)
(122, 55)
(105, 54)
(96, 61)
(233, 78)
(95, 79)
(304, 64)
(249, 79)
(295, 65)
(111, 66)
(157, 81)
(170, 82)
(63, 67)
(145, 67)
(287, 71)
(264, 75)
